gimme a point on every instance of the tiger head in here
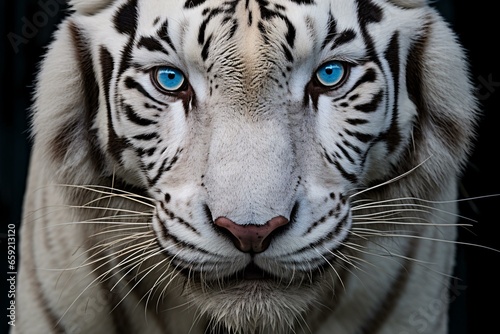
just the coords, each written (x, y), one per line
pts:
(253, 126)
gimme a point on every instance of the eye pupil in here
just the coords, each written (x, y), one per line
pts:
(171, 76)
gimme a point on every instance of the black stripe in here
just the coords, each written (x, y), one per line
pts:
(344, 37)
(345, 153)
(161, 170)
(262, 30)
(331, 235)
(172, 162)
(125, 20)
(180, 244)
(165, 36)
(332, 30)
(356, 121)
(372, 105)
(115, 144)
(126, 60)
(351, 146)
(193, 3)
(291, 33)
(135, 118)
(303, 2)
(143, 151)
(164, 167)
(267, 15)
(181, 221)
(147, 136)
(206, 46)
(132, 84)
(107, 66)
(368, 13)
(369, 76)
(346, 175)
(151, 44)
(392, 136)
(234, 27)
(362, 137)
(203, 26)
(327, 155)
(150, 106)
(287, 52)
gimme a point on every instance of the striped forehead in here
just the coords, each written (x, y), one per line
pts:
(251, 24)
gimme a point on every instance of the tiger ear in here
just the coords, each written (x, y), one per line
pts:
(89, 7)
(409, 3)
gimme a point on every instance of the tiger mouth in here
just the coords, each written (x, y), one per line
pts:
(251, 272)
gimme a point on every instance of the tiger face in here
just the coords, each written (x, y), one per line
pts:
(254, 126)
(251, 133)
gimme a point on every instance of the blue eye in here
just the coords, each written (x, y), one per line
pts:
(331, 73)
(169, 78)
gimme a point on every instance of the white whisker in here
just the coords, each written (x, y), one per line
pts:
(391, 180)
(331, 266)
(109, 191)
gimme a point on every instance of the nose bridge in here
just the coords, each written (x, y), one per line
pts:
(250, 168)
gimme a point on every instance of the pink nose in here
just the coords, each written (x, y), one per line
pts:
(251, 238)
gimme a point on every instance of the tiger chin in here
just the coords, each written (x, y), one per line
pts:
(245, 167)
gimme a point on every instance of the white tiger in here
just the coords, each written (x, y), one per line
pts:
(244, 166)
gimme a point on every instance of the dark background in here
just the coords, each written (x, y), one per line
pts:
(26, 28)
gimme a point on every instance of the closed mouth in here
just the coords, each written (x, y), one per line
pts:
(251, 272)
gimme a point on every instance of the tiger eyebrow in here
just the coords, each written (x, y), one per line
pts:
(151, 44)
(343, 37)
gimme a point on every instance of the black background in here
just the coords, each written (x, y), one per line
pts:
(475, 298)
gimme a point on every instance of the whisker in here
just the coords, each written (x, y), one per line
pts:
(134, 230)
(389, 254)
(410, 207)
(391, 180)
(110, 191)
(96, 223)
(144, 276)
(104, 248)
(331, 266)
(434, 239)
(405, 221)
